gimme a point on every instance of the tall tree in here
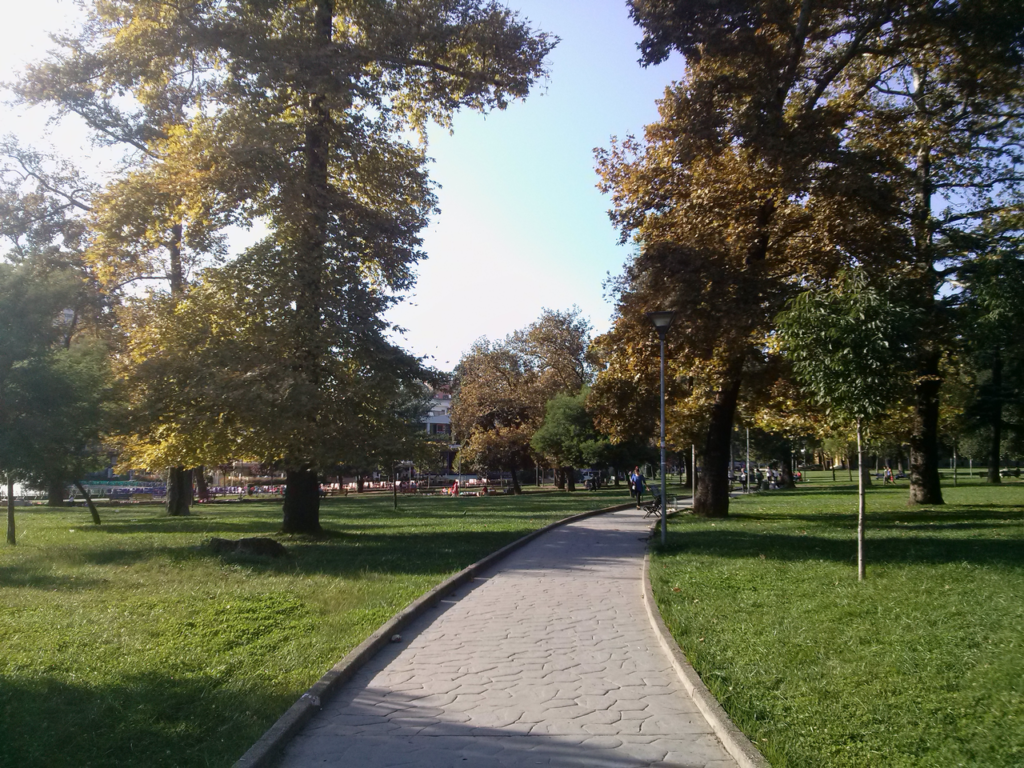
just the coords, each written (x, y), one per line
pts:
(991, 312)
(558, 346)
(567, 437)
(497, 406)
(949, 111)
(144, 95)
(55, 370)
(307, 108)
(717, 197)
(319, 94)
(762, 175)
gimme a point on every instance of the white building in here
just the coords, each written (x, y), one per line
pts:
(438, 420)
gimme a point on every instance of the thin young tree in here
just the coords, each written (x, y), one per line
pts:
(848, 349)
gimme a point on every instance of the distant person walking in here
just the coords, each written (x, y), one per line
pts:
(638, 485)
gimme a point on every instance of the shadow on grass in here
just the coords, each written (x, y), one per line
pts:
(807, 490)
(211, 525)
(339, 555)
(882, 547)
(29, 578)
(340, 512)
(925, 518)
(148, 719)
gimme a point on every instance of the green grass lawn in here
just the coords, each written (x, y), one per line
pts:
(920, 665)
(131, 644)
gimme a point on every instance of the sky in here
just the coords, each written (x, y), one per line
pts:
(522, 225)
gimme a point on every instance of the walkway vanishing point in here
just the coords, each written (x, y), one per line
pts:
(548, 658)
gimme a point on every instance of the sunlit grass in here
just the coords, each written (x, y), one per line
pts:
(920, 665)
(131, 644)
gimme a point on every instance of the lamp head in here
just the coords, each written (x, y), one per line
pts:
(661, 320)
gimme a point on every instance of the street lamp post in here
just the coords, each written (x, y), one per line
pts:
(661, 322)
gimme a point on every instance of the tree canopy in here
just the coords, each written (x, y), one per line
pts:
(805, 138)
(294, 116)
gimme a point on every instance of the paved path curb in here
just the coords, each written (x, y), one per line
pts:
(732, 738)
(261, 754)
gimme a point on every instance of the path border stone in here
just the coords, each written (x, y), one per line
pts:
(270, 744)
(733, 739)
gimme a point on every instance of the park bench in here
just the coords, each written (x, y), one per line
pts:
(653, 507)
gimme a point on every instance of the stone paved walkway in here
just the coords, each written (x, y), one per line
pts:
(548, 659)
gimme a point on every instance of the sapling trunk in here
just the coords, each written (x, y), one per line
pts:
(88, 500)
(10, 511)
(860, 504)
(514, 471)
(996, 422)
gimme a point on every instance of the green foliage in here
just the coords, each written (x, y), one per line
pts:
(56, 395)
(991, 311)
(848, 346)
(211, 380)
(918, 667)
(297, 116)
(567, 437)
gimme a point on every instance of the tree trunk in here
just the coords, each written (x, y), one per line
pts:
(360, 482)
(925, 487)
(301, 502)
(301, 509)
(88, 500)
(860, 505)
(176, 272)
(514, 471)
(570, 478)
(996, 420)
(560, 478)
(688, 464)
(179, 491)
(56, 490)
(11, 539)
(712, 496)
(202, 489)
(787, 468)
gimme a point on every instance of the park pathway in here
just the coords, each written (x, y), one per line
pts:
(547, 659)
